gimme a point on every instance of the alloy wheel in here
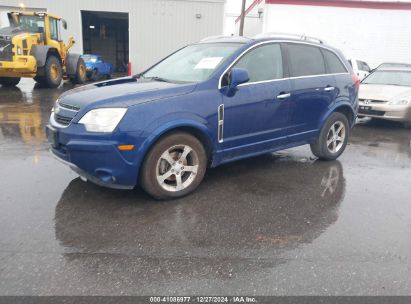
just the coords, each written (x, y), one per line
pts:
(336, 137)
(177, 168)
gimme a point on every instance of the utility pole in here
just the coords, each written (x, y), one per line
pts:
(242, 18)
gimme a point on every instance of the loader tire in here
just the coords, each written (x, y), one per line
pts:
(80, 76)
(53, 72)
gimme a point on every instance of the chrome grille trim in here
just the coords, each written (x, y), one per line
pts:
(373, 100)
(65, 121)
(69, 107)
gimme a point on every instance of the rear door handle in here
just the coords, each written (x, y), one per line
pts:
(283, 96)
(328, 89)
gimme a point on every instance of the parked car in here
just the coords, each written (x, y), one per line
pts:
(361, 68)
(209, 103)
(393, 65)
(96, 67)
(386, 94)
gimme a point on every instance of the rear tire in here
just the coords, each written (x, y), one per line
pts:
(80, 76)
(53, 72)
(333, 138)
(108, 76)
(174, 166)
(95, 75)
(9, 81)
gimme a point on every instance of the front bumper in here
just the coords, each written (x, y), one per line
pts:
(23, 66)
(385, 111)
(88, 177)
(97, 160)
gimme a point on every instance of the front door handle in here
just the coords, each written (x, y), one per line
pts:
(283, 96)
(329, 89)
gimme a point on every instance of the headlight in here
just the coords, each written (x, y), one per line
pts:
(102, 120)
(401, 102)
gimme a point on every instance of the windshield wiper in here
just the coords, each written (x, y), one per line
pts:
(156, 78)
(137, 76)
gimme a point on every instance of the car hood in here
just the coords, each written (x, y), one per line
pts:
(122, 92)
(383, 92)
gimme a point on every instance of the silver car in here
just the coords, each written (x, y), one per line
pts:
(386, 94)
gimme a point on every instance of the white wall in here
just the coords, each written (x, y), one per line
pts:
(372, 35)
(156, 27)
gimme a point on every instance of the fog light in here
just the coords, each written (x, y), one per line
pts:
(105, 176)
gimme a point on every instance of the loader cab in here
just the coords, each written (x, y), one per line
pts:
(47, 25)
(31, 23)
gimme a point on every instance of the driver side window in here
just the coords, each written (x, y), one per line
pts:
(263, 63)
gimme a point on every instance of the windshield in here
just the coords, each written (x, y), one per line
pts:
(399, 78)
(193, 63)
(89, 58)
(32, 24)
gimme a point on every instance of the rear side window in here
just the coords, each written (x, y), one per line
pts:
(360, 66)
(263, 63)
(334, 64)
(305, 60)
(363, 66)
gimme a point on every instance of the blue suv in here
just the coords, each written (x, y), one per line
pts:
(209, 103)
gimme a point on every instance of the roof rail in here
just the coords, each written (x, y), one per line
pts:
(286, 35)
(214, 37)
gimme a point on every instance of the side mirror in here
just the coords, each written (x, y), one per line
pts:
(237, 76)
(64, 23)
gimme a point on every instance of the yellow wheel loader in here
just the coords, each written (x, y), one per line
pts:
(32, 47)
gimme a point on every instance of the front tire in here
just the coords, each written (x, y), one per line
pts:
(9, 81)
(53, 72)
(333, 138)
(174, 167)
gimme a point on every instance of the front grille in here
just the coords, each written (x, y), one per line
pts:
(372, 112)
(62, 119)
(373, 100)
(6, 52)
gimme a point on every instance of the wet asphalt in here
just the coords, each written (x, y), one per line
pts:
(280, 224)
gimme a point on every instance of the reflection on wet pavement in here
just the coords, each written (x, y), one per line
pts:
(277, 224)
(265, 217)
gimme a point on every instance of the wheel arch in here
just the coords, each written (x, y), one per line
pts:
(42, 52)
(348, 112)
(345, 109)
(195, 129)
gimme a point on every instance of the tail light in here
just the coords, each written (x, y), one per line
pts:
(356, 81)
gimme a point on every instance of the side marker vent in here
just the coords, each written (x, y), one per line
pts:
(221, 123)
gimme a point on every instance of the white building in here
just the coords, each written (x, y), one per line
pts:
(136, 31)
(373, 31)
